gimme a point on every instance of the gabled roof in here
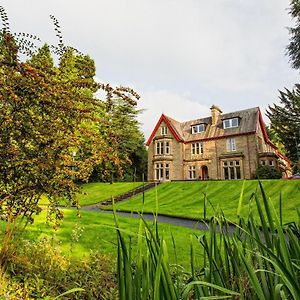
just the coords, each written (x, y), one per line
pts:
(250, 119)
(247, 125)
(182, 130)
(172, 125)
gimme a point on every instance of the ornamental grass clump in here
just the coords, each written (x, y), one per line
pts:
(258, 259)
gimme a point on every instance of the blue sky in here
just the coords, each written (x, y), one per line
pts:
(181, 56)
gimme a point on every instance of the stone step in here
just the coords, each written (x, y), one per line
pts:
(137, 191)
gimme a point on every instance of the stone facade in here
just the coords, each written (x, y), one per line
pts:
(223, 146)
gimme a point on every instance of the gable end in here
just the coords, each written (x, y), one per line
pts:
(170, 127)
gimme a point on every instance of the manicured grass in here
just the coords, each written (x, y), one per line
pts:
(186, 199)
(99, 191)
(99, 234)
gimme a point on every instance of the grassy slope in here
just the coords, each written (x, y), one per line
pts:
(99, 234)
(99, 191)
(186, 199)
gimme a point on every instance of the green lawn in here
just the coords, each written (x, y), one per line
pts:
(99, 234)
(99, 191)
(186, 199)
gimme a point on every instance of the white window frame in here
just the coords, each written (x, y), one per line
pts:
(231, 144)
(228, 123)
(162, 171)
(159, 171)
(192, 172)
(198, 128)
(167, 148)
(159, 148)
(197, 148)
(232, 166)
(167, 171)
(164, 130)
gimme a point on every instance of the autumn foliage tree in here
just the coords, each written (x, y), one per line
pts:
(49, 129)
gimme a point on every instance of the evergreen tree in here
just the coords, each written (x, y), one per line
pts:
(285, 118)
(121, 131)
(293, 49)
(285, 121)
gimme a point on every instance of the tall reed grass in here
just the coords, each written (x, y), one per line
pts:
(259, 259)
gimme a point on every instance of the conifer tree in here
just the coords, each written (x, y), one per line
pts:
(285, 118)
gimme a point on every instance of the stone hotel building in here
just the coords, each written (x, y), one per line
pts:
(221, 146)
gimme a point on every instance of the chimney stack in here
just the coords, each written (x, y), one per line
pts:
(215, 114)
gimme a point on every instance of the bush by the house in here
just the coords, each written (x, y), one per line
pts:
(267, 172)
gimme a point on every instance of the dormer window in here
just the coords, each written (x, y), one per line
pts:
(164, 130)
(231, 123)
(198, 128)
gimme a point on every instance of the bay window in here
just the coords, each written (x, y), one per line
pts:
(163, 147)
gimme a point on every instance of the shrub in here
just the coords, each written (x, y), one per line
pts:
(267, 172)
(10, 289)
(40, 270)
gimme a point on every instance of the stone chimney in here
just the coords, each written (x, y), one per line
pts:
(215, 114)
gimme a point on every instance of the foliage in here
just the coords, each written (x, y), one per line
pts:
(200, 199)
(267, 172)
(121, 130)
(285, 121)
(40, 270)
(273, 136)
(136, 169)
(258, 260)
(285, 118)
(293, 49)
(99, 234)
(48, 135)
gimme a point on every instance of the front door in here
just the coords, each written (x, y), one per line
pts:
(204, 171)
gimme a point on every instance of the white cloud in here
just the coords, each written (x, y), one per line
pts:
(177, 106)
(228, 52)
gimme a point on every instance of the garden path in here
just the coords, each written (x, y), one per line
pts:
(188, 223)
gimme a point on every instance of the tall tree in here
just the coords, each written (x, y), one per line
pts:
(293, 49)
(285, 121)
(285, 118)
(49, 135)
(122, 132)
(273, 136)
